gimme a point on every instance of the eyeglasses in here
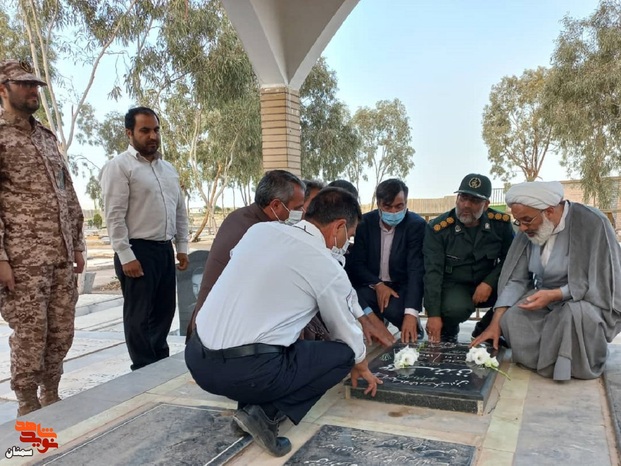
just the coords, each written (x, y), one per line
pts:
(526, 223)
(25, 84)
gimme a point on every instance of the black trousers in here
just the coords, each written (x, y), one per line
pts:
(149, 301)
(393, 313)
(292, 381)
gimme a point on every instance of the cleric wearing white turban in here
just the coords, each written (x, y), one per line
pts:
(537, 194)
(558, 319)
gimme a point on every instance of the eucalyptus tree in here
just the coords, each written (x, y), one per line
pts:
(584, 97)
(515, 130)
(385, 136)
(328, 139)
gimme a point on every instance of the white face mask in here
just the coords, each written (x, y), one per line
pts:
(294, 217)
(339, 253)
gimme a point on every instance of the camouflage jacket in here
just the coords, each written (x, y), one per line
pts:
(40, 216)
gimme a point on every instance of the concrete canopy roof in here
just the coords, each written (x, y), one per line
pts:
(284, 38)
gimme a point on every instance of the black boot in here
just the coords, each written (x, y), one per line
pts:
(482, 324)
(449, 333)
(253, 420)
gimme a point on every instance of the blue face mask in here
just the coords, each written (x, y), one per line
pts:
(393, 219)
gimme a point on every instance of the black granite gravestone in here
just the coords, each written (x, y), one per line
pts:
(188, 284)
(344, 446)
(440, 379)
(165, 434)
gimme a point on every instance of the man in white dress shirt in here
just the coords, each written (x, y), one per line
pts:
(145, 210)
(246, 343)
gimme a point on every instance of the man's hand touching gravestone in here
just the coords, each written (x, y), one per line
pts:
(374, 329)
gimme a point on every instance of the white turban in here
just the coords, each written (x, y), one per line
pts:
(536, 194)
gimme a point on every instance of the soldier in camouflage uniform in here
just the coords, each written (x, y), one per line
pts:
(40, 238)
(464, 250)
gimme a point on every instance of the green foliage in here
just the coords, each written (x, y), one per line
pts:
(93, 189)
(328, 139)
(13, 39)
(385, 138)
(517, 135)
(110, 134)
(97, 220)
(583, 97)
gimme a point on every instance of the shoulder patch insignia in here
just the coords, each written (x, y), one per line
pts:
(493, 215)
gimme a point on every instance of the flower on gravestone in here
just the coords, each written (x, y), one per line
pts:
(480, 357)
(406, 357)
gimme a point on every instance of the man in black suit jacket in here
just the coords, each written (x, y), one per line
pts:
(385, 264)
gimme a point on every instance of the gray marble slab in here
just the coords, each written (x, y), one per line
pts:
(440, 379)
(188, 285)
(333, 445)
(165, 434)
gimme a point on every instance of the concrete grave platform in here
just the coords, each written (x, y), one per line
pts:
(342, 445)
(163, 434)
(440, 379)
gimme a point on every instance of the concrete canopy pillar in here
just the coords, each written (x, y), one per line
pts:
(284, 39)
(280, 129)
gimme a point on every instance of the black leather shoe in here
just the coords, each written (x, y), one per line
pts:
(264, 431)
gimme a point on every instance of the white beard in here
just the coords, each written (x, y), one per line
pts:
(543, 234)
(467, 218)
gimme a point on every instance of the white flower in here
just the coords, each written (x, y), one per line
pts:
(405, 357)
(478, 355)
(480, 359)
(492, 363)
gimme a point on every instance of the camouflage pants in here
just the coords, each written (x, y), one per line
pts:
(41, 312)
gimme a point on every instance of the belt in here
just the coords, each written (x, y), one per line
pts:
(150, 241)
(239, 351)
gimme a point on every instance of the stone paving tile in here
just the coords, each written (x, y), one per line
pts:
(80, 347)
(612, 382)
(564, 423)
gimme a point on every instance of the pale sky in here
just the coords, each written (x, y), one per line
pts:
(440, 58)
